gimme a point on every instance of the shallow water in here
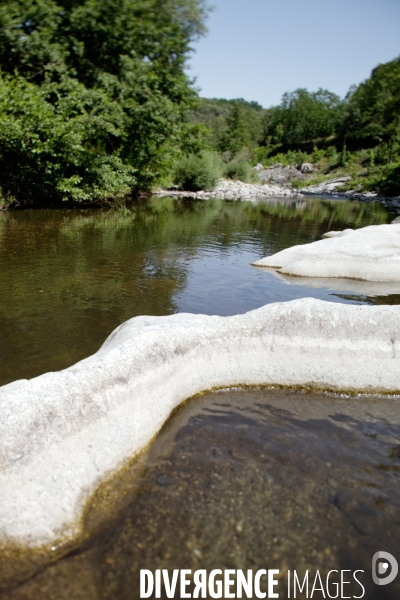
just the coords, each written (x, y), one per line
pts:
(250, 479)
(69, 277)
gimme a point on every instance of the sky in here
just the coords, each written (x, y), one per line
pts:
(260, 49)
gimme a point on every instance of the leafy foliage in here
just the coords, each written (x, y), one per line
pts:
(373, 109)
(230, 125)
(194, 173)
(56, 149)
(389, 183)
(238, 168)
(93, 94)
(302, 116)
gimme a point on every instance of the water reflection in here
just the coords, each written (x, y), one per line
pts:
(68, 278)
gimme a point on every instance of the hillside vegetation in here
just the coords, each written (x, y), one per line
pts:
(95, 105)
(357, 136)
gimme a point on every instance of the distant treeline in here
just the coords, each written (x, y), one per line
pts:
(369, 117)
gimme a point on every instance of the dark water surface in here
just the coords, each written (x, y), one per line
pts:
(250, 479)
(68, 278)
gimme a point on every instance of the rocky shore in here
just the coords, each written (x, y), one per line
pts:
(276, 183)
(234, 190)
(332, 187)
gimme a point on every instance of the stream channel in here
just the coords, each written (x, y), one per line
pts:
(237, 479)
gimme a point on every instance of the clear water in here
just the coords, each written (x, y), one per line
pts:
(69, 277)
(249, 479)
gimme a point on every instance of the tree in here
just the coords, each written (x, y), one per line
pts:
(109, 71)
(373, 108)
(303, 116)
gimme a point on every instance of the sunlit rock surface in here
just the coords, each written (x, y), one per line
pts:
(370, 254)
(63, 433)
(230, 189)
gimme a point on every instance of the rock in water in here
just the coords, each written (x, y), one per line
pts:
(370, 253)
(64, 433)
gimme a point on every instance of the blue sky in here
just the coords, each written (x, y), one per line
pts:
(259, 49)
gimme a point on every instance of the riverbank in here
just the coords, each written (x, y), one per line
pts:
(229, 189)
(238, 190)
(332, 188)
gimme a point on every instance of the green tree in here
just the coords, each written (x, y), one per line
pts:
(373, 108)
(237, 134)
(302, 116)
(111, 73)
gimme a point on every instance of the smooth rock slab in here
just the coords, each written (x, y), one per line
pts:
(64, 433)
(370, 253)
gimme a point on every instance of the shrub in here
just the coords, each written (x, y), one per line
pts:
(193, 173)
(389, 184)
(240, 169)
(53, 152)
(331, 152)
(317, 155)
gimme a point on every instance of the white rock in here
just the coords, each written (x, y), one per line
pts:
(371, 253)
(234, 190)
(331, 234)
(307, 168)
(326, 187)
(63, 433)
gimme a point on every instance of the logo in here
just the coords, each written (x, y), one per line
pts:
(384, 568)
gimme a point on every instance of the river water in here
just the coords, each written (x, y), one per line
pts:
(69, 277)
(237, 479)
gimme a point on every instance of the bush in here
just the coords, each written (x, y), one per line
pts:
(193, 173)
(53, 152)
(240, 169)
(331, 152)
(389, 184)
(317, 155)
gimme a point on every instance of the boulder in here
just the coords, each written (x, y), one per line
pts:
(62, 434)
(326, 187)
(370, 253)
(307, 168)
(279, 174)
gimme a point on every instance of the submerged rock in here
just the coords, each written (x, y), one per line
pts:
(370, 253)
(64, 433)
